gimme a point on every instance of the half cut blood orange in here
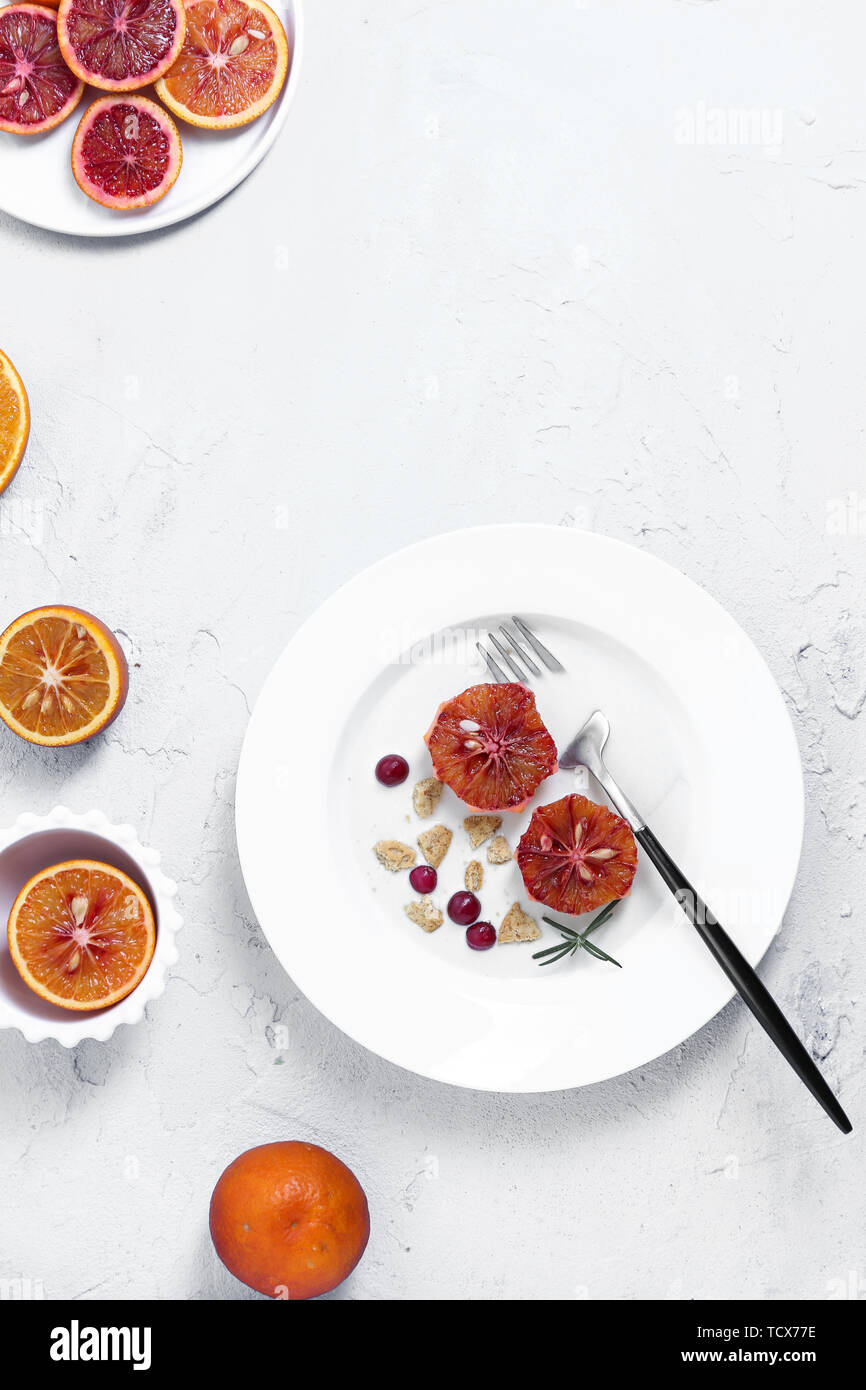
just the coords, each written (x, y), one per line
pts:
(63, 676)
(490, 746)
(231, 67)
(81, 934)
(576, 855)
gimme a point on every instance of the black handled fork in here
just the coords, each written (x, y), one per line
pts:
(585, 750)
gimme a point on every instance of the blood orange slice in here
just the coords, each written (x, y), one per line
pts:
(63, 676)
(126, 152)
(14, 421)
(232, 65)
(81, 934)
(575, 855)
(37, 90)
(490, 746)
(120, 45)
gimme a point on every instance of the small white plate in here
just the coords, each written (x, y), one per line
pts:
(32, 844)
(36, 183)
(701, 741)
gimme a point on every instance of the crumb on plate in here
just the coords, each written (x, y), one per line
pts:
(517, 925)
(394, 855)
(474, 876)
(425, 797)
(424, 914)
(499, 850)
(480, 828)
(434, 844)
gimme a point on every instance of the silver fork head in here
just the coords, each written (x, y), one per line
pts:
(587, 746)
(515, 651)
(587, 750)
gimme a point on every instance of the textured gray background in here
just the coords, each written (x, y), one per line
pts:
(498, 267)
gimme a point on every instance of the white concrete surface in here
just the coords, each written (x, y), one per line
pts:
(499, 267)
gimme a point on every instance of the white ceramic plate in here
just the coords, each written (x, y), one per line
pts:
(36, 183)
(701, 741)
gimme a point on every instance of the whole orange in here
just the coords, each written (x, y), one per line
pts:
(289, 1219)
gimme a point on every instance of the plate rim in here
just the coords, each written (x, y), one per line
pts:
(162, 217)
(786, 731)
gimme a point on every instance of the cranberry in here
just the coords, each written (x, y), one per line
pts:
(423, 878)
(463, 908)
(481, 936)
(392, 770)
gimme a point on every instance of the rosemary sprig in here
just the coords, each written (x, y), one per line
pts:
(573, 941)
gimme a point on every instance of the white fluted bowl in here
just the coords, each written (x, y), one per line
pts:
(35, 842)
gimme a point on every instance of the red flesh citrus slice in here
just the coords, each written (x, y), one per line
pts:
(490, 746)
(81, 934)
(14, 421)
(575, 855)
(232, 65)
(126, 152)
(120, 45)
(37, 90)
(63, 676)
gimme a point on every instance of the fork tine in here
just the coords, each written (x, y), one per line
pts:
(496, 671)
(540, 650)
(509, 662)
(518, 650)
